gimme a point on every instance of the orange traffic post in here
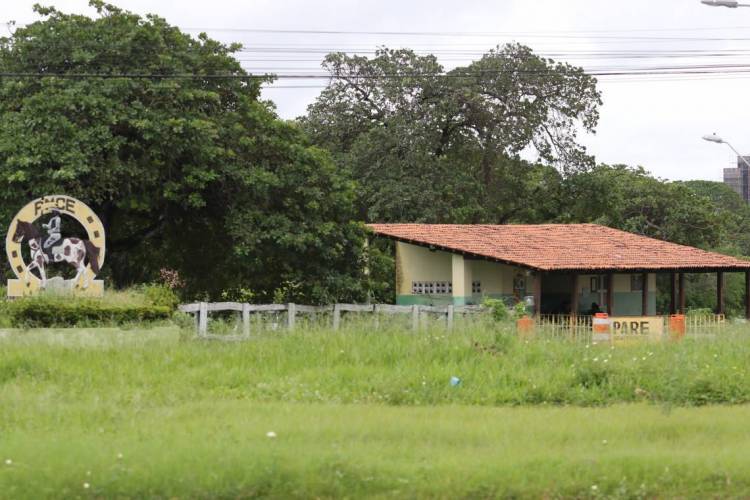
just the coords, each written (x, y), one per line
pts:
(525, 326)
(677, 326)
(601, 328)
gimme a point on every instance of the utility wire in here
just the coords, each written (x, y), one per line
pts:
(597, 34)
(696, 69)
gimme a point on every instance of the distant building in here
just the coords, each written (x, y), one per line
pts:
(739, 178)
(559, 268)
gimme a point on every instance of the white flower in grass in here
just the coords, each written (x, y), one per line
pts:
(594, 487)
(119, 456)
(604, 441)
(270, 434)
(86, 486)
(8, 461)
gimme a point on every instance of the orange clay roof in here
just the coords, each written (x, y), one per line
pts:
(560, 247)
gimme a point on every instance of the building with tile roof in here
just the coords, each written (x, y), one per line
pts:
(556, 268)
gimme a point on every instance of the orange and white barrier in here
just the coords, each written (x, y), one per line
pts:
(601, 328)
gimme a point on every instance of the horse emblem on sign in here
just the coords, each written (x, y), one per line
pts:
(40, 227)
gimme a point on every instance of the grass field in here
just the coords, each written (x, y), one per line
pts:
(109, 413)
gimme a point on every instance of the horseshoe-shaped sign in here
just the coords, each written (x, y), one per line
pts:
(49, 247)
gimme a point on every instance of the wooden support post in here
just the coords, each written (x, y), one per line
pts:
(644, 295)
(415, 318)
(672, 293)
(681, 300)
(449, 317)
(203, 320)
(574, 299)
(538, 294)
(336, 316)
(720, 292)
(747, 294)
(291, 315)
(610, 294)
(246, 320)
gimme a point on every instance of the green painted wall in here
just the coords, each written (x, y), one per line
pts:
(444, 300)
(629, 304)
(424, 300)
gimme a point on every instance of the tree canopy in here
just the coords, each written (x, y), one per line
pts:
(165, 136)
(429, 145)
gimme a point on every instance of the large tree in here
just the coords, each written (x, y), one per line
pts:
(629, 198)
(165, 136)
(430, 145)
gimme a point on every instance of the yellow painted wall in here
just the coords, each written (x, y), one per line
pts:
(414, 263)
(622, 282)
(496, 278)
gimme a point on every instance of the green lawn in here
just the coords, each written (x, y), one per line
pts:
(221, 448)
(107, 413)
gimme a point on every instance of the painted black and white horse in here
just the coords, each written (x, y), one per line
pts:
(76, 252)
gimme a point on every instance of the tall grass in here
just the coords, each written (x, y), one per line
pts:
(369, 412)
(385, 366)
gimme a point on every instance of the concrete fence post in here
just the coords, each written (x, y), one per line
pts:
(415, 318)
(291, 315)
(336, 316)
(449, 317)
(246, 320)
(203, 320)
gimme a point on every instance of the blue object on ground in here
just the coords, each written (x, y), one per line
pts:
(455, 381)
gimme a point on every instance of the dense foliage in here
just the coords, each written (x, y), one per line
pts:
(170, 144)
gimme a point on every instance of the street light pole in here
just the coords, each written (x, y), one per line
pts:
(718, 140)
(732, 4)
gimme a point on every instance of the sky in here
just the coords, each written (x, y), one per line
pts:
(655, 121)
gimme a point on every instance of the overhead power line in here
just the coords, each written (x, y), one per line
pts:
(653, 70)
(548, 34)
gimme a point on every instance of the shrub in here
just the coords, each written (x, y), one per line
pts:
(161, 295)
(42, 311)
(519, 310)
(498, 309)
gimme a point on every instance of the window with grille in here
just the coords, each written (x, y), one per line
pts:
(431, 287)
(476, 287)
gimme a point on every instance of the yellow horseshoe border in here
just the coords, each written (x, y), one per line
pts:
(31, 212)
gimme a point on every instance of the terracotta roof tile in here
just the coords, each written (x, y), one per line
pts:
(556, 247)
